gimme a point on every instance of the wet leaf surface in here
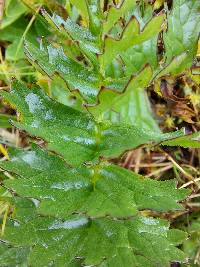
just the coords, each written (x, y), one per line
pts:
(97, 191)
(117, 242)
(73, 134)
(67, 202)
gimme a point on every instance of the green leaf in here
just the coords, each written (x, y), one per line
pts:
(64, 191)
(63, 95)
(115, 243)
(12, 257)
(145, 53)
(73, 134)
(53, 61)
(174, 66)
(132, 35)
(128, 106)
(13, 10)
(83, 39)
(77, 33)
(182, 31)
(191, 244)
(137, 56)
(95, 16)
(68, 205)
(176, 236)
(115, 13)
(14, 34)
(57, 238)
(5, 120)
(81, 5)
(191, 140)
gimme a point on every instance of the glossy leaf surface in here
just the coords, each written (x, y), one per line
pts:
(68, 203)
(73, 134)
(97, 191)
(131, 36)
(128, 106)
(183, 31)
(119, 243)
(53, 61)
(115, 13)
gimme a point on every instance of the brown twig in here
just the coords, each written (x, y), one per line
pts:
(186, 174)
(155, 173)
(138, 160)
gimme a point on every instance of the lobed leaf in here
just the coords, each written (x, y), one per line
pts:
(114, 13)
(95, 15)
(98, 190)
(131, 36)
(101, 241)
(73, 134)
(139, 55)
(53, 60)
(75, 32)
(69, 206)
(47, 233)
(128, 106)
(87, 43)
